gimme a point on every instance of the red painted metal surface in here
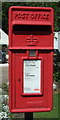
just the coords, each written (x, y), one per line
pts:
(30, 28)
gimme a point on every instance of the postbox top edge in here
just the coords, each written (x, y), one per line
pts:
(30, 8)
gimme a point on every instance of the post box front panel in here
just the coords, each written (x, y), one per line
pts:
(31, 95)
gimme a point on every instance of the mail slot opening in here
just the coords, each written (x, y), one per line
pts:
(40, 29)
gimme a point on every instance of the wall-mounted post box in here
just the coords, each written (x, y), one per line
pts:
(30, 58)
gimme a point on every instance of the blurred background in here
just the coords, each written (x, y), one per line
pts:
(4, 60)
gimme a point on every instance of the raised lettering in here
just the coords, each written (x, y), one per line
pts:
(23, 15)
(27, 16)
(16, 15)
(33, 16)
(39, 16)
(19, 15)
(47, 16)
(43, 16)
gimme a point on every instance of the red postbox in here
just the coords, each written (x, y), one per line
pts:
(30, 59)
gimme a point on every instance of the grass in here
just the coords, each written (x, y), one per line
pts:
(55, 113)
(59, 104)
(52, 114)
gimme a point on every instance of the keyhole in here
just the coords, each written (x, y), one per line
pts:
(19, 80)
